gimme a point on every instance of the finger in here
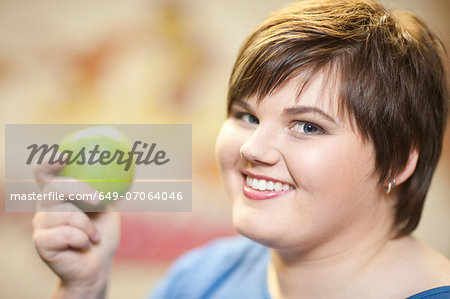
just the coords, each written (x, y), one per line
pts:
(79, 220)
(72, 216)
(45, 172)
(46, 175)
(53, 240)
(69, 188)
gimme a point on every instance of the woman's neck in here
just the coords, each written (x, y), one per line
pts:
(346, 266)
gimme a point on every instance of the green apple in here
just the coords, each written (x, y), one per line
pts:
(90, 144)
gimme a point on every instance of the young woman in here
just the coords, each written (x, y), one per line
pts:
(336, 113)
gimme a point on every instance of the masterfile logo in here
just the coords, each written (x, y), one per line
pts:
(97, 156)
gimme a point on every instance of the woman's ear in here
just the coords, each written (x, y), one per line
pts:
(409, 168)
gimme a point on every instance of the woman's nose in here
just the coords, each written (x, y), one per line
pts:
(261, 147)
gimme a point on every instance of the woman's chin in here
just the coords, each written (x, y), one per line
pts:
(257, 229)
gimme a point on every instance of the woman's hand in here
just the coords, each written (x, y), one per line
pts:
(77, 246)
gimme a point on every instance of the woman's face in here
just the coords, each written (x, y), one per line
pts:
(297, 174)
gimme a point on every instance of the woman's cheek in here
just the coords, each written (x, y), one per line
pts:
(228, 146)
(228, 155)
(324, 163)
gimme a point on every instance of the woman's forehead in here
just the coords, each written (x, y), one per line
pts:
(321, 90)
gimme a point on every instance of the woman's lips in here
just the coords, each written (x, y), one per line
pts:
(260, 189)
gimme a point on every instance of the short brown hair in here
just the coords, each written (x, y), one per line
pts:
(392, 81)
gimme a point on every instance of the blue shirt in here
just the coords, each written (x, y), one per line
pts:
(233, 268)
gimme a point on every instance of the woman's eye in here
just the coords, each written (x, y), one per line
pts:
(307, 128)
(248, 118)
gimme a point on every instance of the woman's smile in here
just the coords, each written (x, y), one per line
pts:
(260, 187)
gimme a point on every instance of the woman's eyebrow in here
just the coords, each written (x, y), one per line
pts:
(242, 104)
(308, 109)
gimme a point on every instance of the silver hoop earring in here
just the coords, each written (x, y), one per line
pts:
(390, 186)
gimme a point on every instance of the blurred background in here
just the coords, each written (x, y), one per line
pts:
(146, 61)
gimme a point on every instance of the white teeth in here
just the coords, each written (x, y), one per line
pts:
(278, 186)
(263, 185)
(255, 184)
